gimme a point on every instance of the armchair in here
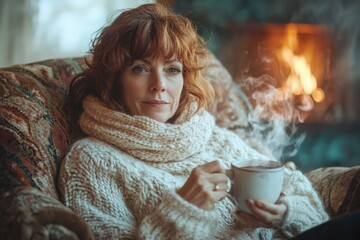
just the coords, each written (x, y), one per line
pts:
(37, 126)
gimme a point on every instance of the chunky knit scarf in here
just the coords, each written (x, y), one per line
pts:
(147, 139)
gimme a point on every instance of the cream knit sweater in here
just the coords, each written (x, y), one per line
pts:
(122, 179)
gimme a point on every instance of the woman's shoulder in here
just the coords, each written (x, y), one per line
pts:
(99, 153)
(88, 143)
(92, 150)
(222, 134)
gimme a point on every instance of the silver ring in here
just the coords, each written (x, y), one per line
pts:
(216, 187)
(228, 185)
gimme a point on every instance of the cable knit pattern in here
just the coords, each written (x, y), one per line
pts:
(122, 179)
(145, 138)
(297, 218)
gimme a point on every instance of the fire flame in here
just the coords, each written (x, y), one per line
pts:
(301, 80)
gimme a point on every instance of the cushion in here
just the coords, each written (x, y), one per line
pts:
(36, 127)
(339, 187)
(31, 214)
(230, 106)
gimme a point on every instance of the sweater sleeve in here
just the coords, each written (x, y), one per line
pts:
(88, 191)
(89, 188)
(175, 218)
(304, 206)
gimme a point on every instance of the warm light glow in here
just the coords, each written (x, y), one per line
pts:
(318, 95)
(301, 80)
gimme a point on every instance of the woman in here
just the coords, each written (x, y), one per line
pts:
(153, 163)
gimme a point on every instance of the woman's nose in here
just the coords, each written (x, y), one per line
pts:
(157, 82)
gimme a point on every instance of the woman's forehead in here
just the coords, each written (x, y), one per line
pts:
(163, 59)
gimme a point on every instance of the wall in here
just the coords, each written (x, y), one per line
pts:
(33, 30)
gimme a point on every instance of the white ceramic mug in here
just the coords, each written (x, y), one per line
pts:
(255, 179)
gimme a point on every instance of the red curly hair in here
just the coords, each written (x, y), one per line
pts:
(150, 30)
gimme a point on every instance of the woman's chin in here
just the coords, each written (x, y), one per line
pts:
(159, 117)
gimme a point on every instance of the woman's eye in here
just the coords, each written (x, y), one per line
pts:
(174, 70)
(139, 69)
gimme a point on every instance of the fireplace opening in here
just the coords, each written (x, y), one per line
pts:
(294, 60)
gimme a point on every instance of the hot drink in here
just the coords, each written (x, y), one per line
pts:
(255, 179)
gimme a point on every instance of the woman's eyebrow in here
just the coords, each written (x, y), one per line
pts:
(173, 60)
(142, 60)
(148, 61)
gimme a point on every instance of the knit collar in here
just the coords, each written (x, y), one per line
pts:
(147, 139)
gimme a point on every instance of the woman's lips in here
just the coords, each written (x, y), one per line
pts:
(156, 103)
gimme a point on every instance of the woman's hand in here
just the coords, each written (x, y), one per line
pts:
(264, 214)
(205, 186)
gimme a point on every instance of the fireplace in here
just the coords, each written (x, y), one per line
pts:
(294, 60)
(249, 37)
(310, 81)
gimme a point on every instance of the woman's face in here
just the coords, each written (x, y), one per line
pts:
(152, 87)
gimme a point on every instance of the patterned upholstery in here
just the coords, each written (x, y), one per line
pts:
(339, 187)
(230, 106)
(36, 129)
(31, 214)
(35, 126)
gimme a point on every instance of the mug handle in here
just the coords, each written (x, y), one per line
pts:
(230, 185)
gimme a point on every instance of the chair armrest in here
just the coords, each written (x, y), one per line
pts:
(28, 213)
(339, 187)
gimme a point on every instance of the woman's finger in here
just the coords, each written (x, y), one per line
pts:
(258, 211)
(268, 207)
(212, 167)
(269, 213)
(205, 186)
(217, 178)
